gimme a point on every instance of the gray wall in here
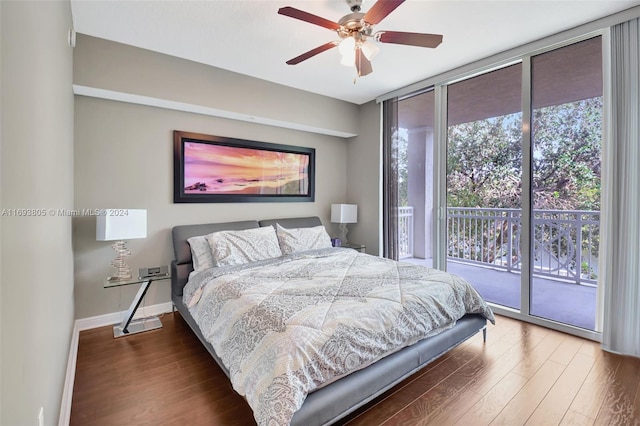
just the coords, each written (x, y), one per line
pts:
(124, 159)
(364, 176)
(1, 206)
(121, 68)
(37, 172)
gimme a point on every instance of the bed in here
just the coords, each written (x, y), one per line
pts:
(349, 390)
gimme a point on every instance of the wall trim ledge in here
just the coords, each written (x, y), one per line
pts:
(131, 98)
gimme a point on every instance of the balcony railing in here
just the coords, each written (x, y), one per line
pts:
(566, 242)
(405, 235)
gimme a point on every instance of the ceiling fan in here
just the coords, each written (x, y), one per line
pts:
(356, 33)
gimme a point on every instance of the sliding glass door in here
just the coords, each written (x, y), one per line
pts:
(515, 155)
(566, 142)
(484, 169)
(415, 139)
(489, 217)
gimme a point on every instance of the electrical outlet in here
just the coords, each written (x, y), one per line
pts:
(41, 417)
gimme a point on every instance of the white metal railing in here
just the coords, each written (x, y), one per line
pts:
(566, 242)
(405, 232)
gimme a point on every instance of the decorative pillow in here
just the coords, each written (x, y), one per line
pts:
(238, 247)
(302, 239)
(200, 253)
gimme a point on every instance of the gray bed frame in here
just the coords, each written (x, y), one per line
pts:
(340, 398)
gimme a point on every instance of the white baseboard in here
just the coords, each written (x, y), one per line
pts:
(87, 324)
(69, 379)
(116, 317)
(97, 321)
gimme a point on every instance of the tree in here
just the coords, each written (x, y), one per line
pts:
(484, 163)
(401, 151)
(484, 159)
(566, 156)
(484, 169)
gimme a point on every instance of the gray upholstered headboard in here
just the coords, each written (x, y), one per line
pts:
(293, 222)
(182, 266)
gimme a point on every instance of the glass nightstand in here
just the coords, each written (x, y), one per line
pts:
(128, 325)
(360, 247)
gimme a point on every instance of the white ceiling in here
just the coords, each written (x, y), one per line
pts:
(249, 37)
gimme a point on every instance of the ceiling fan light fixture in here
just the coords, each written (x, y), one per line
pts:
(370, 49)
(347, 45)
(358, 44)
(349, 60)
(347, 49)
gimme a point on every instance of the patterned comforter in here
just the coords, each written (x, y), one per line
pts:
(286, 326)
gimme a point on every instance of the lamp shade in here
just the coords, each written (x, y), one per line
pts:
(369, 49)
(347, 49)
(344, 213)
(121, 224)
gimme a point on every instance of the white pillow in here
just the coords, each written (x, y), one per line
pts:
(200, 253)
(302, 239)
(238, 247)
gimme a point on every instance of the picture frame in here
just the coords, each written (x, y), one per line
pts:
(217, 169)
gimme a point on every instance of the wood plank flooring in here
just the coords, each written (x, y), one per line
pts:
(523, 375)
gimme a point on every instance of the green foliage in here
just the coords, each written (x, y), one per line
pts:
(566, 155)
(484, 170)
(484, 163)
(401, 151)
(484, 159)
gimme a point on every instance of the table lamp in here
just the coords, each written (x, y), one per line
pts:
(343, 214)
(119, 225)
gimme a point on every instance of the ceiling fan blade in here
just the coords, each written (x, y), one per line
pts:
(292, 12)
(380, 10)
(312, 53)
(412, 39)
(363, 65)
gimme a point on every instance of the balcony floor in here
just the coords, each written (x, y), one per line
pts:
(556, 300)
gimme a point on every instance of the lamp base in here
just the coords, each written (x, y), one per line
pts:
(343, 233)
(123, 271)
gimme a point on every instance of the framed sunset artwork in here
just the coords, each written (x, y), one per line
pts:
(215, 169)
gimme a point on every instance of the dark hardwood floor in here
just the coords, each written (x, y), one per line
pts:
(524, 374)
